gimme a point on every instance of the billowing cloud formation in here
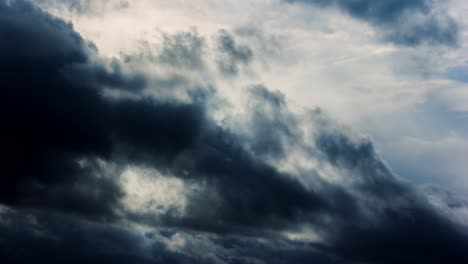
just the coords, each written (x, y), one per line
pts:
(275, 187)
(400, 21)
(57, 122)
(232, 54)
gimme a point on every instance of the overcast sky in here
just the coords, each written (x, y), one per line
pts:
(225, 131)
(396, 72)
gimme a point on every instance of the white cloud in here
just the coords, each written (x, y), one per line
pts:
(148, 192)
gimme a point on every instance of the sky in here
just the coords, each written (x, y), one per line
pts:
(222, 131)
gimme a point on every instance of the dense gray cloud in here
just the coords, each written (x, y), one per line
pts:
(232, 55)
(47, 238)
(400, 21)
(66, 143)
(184, 49)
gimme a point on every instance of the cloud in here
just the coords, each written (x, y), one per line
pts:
(455, 205)
(85, 6)
(46, 238)
(60, 123)
(68, 146)
(408, 23)
(183, 49)
(232, 54)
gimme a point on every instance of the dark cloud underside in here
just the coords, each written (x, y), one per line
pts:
(399, 21)
(65, 143)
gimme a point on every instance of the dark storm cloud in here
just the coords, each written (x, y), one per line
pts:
(376, 218)
(239, 182)
(35, 101)
(236, 180)
(418, 237)
(400, 21)
(57, 123)
(360, 160)
(405, 229)
(65, 143)
(114, 77)
(232, 55)
(49, 238)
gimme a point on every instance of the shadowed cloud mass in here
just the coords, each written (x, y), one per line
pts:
(399, 21)
(74, 123)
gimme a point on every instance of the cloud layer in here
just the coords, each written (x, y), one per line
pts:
(399, 21)
(267, 186)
